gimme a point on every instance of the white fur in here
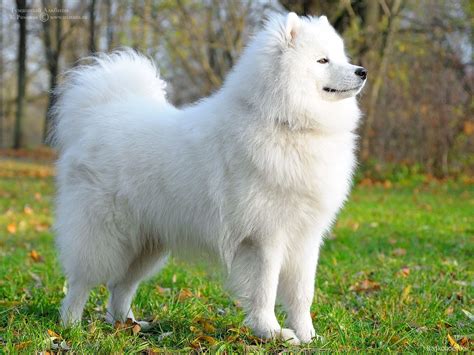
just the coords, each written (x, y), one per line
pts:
(254, 174)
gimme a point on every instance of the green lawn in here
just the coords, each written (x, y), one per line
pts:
(396, 274)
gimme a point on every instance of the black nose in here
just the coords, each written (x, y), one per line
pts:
(362, 72)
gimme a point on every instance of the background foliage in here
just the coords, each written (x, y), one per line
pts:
(418, 102)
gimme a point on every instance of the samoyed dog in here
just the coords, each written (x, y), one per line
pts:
(253, 175)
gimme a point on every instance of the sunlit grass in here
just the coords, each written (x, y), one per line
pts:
(411, 247)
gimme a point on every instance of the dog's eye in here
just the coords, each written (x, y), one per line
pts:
(323, 61)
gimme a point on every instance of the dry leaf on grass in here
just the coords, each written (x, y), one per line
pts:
(206, 325)
(41, 227)
(404, 272)
(185, 293)
(405, 294)
(129, 326)
(203, 341)
(454, 344)
(22, 345)
(35, 256)
(466, 343)
(399, 252)
(365, 286)
(11, 228)
(449, 311)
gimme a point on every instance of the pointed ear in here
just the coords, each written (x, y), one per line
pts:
(324, 20)
(293, 24)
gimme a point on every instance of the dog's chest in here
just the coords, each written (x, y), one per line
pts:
(306, 179)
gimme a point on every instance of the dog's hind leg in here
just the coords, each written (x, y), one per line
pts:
(74, 302)
(123, 289)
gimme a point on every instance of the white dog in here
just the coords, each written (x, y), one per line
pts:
(254, 174)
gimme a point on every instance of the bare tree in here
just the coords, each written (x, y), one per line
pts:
(109, 24)
(392, 16)
(92, 45)
(20, 101)
(53, 39)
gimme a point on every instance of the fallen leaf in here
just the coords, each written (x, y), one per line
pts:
(366, 182)
(203, 339)
(41, 227)
(38, 196)
(399, 252)
(136, 329)
(405, 293)
(404, 272)
(454, 344)
(449, 311)
(206, 325)
(11, 228)
(129, 325)
(365, 286)
(185, 293)
(35, 256)
(464, 341)
(28, 210)
(22, 345)
(194, 329)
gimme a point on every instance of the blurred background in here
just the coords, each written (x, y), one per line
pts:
(418, 104)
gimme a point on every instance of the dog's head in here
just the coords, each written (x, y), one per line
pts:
(295, 70)
(317, 57)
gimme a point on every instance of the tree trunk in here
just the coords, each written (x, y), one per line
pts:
(110, 25)
(377, 81)
(92, 46)
(53, 52)
(17, 138)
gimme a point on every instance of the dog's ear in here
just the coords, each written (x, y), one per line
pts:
(324, 20)
(293, 24)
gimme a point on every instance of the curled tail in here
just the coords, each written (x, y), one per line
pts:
(110, 78)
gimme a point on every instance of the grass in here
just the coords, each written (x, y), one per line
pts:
(396, 274)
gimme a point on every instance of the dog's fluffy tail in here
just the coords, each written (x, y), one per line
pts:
(110, 78)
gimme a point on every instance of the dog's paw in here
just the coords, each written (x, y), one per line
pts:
(288, 335)
(280, 334)
(306, 335)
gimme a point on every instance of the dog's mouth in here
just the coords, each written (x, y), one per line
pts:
(340, 90)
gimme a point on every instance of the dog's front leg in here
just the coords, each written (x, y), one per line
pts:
(254, 279)
(296, 287)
